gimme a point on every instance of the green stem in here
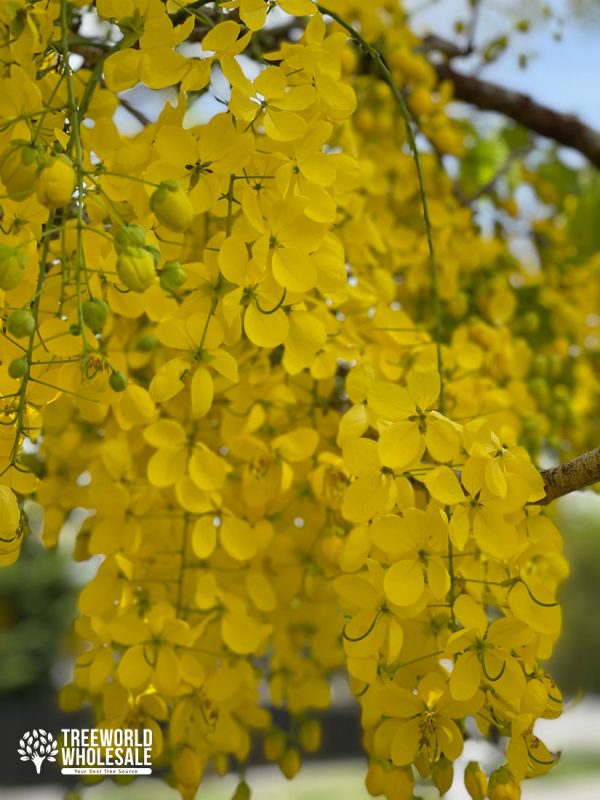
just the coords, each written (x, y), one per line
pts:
(35, 309)
(75, 143)
(45, 111)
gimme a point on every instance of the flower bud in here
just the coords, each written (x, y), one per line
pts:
(20, 324)
(475, 781)
(56, 182)
(146, 343)
(135, 267)
(422, 765)
(172, 207)
(274, 744)
(399, 784)
(290, 763)
(118, 381)
(95, 314)
(10, 515)
(129, 236)
(18, 169)
(375, 779)
(503, 786)
(18, 368)
(309, 735)
(154, 252)
(442, 774)
(187, 769)
(12, 267)
(10, 535)
(242, 792)
(172, 276)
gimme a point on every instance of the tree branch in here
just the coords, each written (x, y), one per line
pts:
(571, 476)
(565, 129)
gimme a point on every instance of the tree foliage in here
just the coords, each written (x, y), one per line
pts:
(299, 373)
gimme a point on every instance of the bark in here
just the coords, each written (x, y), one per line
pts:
(565, 129)
(571, 476)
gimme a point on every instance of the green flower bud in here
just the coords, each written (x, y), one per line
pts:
(18, 169)
(135, 267)
(172, 276)
(74, 329)
(95, 313)
(20, 324)
(12, 267)
(154, 252)
(18, 368)
(172, 207)
(129, 236)
(56, 182)
(147, 343)
(118, 381)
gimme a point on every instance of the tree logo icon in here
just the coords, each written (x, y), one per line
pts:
(38, 746)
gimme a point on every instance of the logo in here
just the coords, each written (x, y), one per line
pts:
(38, 746)
(102, 751)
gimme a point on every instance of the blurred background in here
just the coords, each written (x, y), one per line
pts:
(558, 63)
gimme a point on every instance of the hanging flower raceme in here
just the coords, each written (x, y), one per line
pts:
(301, 449)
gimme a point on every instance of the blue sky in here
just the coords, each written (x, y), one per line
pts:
(563, 75)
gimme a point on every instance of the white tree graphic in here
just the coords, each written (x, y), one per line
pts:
(38, 746)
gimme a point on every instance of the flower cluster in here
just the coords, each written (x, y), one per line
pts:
(450, 585)
(302, 432)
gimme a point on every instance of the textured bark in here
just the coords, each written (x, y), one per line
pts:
(576, 474)
(565, 129)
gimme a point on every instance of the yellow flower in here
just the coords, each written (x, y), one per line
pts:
(254, 295)
(374, 491)
(416, 542)
(199, 337)
(152, 643)
(421, 722)
(476, 509)
(486, 654)
(408, 425)
(202, 159)
(527, 756)
(286, 241)
(375, 626)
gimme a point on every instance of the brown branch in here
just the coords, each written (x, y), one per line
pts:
(135, 112)
(571, 476)
(565, 129)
